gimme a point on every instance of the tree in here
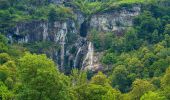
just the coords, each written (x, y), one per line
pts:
(101, 41)
(41, 80)
(155, 37)
(4, 57)
(118, 44)
(152, 96)
(8, 74)
(3, 39)
(100, 79)
(146, 24)
(98, 89)
(167, 29)
(165, 84)
(5, 94)
(97, 92)
(166, 78)
(112, 95)
(109, 58)
(3, 73)
(78, 78)
(158, 47)
(131, 40)
(3, 44)
(91, 92)
(52, 16)
(134, 65)
(119, 78)
(167, 40)
(156, 82)
(139, 88)
(13, 74)
(159, 67)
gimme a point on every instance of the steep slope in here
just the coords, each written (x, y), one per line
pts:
(66, 25)
(69, 35)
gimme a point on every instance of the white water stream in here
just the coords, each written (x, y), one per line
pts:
(88, 61)
(76, 58)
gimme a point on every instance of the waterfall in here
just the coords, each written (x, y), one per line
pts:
(88, 61)
(76, 58)
(62, 38)
(45, 31)
(62, 50)
(17, 30)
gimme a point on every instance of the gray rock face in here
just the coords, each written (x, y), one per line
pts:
(115, 20)
(58, 33)
(42, 31)
(66, 34)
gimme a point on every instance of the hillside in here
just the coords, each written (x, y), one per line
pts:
(84, 49)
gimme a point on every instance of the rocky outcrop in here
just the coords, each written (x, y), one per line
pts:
(57, 32)
(70, 35)
(114, 20)
(42, 31)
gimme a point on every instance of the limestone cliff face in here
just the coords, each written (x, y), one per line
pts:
(61, 33)
(42, 31)
(115, 20)
(71, 35)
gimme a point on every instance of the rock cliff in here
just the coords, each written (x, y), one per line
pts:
(70, 35)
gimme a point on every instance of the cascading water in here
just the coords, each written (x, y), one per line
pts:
(88, 61)
(61, 37)
(17, 31)
(62, 50)
(45, 31)
(76, 58)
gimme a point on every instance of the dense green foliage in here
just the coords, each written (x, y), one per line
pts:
(137, 64)
(89, 7)
(142, 53)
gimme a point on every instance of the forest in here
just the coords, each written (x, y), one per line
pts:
(135, 64)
